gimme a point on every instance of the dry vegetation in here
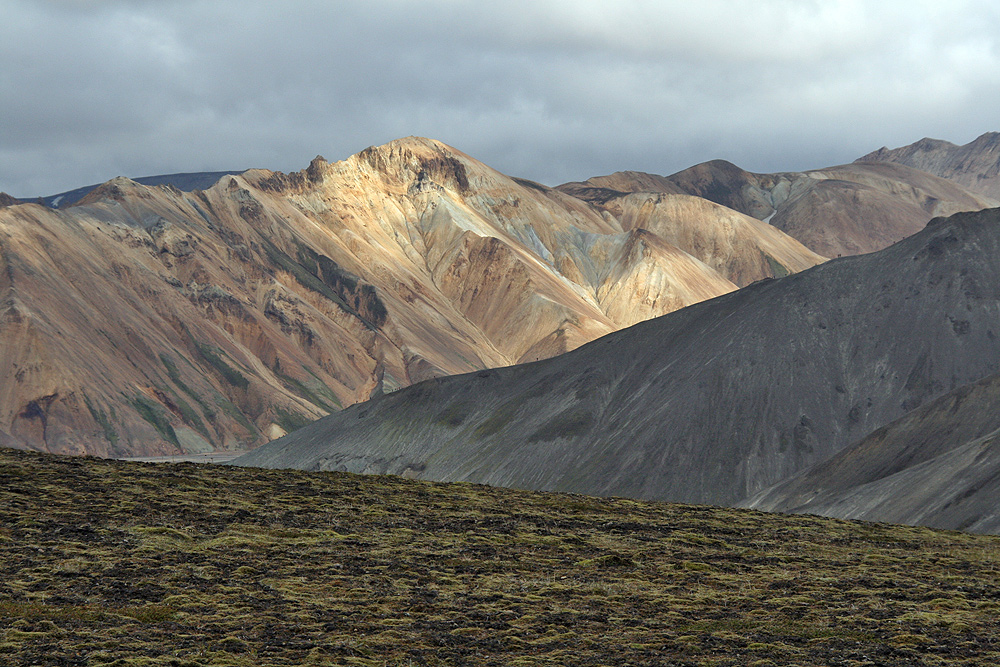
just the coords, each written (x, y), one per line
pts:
(111, 563)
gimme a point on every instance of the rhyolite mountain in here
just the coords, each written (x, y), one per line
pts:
(975, 165)
(709, 404)
(150, 320)
(938, 465)
(843, 210)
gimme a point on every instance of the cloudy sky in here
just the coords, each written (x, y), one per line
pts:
(552, 90)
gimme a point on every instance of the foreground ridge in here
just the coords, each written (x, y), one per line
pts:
(201, 565)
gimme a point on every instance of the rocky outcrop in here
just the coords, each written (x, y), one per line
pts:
(709, 404)
(976, 165)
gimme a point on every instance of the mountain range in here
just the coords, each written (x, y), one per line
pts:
(148, 320)
(154, 320)
(844, 210)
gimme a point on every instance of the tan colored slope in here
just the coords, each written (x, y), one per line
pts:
(120, 340)
(653, 276)
(845, 210)
(936, 196)
(825, 218)
(741, 248)
(146, 320)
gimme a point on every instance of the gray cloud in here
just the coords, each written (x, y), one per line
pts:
(553, 91)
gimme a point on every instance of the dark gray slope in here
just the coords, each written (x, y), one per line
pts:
(938, 465)
(186, 182)
(709, 404)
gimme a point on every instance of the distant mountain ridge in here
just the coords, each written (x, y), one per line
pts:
(975, 165)
(938, 466)
(844, 210)
(185, 181)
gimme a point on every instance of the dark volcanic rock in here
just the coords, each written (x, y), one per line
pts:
(709, 404)
(938, 465)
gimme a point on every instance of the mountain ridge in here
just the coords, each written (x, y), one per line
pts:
(975, 165)
(842, 210)
(937, 465)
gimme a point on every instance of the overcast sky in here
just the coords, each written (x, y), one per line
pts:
(550, 90)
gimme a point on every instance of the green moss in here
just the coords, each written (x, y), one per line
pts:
(322, 389)
(778, 270)
(213, 356)
(454, 415)
(182, 564)
(101, 418)
(290, 421)
(191, 417)
(154, 413)
(498, 419)
(235, 413)
(321, 396)
(175, 377)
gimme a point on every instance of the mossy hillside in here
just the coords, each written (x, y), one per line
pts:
(113, 563)
(214, 357)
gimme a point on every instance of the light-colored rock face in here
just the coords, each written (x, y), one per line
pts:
(146, 320)
(976, 165)
(741, 248)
